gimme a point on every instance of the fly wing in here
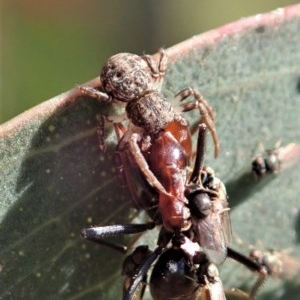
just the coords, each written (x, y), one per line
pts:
(213, 232)
(289, 155)
(210, 237)
(221, 208)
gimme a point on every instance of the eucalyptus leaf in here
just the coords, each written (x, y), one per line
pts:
(55, 181)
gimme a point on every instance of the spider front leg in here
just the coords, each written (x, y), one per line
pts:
(206, 112)
(96, 94)
(158, 69)
(142, 163)
(116, 120)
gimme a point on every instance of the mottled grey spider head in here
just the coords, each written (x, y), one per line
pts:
(127, 76)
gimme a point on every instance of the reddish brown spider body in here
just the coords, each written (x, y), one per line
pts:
(167, 156)
(168, 159)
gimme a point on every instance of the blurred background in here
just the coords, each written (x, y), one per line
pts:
(49, 46)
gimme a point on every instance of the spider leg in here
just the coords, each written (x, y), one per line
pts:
(158, 69)
(96, 94)
(142, 163)
(206, 112)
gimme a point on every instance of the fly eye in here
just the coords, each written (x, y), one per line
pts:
(200, 205)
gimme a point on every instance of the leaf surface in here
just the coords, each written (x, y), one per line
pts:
(54, 181)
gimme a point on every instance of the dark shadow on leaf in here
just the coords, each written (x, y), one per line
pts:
(297, 228)
(245, 186)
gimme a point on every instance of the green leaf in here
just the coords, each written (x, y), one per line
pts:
(54, 180)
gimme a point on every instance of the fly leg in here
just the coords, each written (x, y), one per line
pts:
(257, 266)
